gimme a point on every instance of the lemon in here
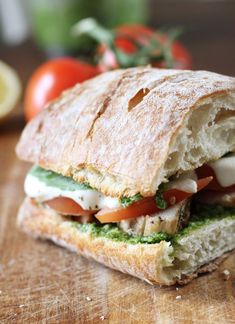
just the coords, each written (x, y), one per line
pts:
(10, 89)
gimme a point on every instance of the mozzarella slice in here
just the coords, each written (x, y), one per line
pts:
(186, 182)
(87, 199)
(93, 199)
(224, 169)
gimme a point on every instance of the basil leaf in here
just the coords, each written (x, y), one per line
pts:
(160, 201)
(127, 201)
(52, 179)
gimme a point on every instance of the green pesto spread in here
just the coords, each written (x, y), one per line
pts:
(203, 215)
(52, 179)
(114, 233)
(55, 180)
(127, 201)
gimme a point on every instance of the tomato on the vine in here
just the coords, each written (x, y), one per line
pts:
(50, 79)
(133, 38)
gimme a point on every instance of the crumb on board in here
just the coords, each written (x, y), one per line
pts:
(22, 305)
(88, 298)
(177, 288)
(11, 262)
(226, 274)
(178, 297)
(102, 317)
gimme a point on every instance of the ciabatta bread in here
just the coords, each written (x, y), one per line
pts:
(126, 131)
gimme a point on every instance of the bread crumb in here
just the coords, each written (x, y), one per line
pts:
(177, 288)
(226, 274)
(178, 297)
(88, 298)
(21, 306)
(11, 262)
(102, 317)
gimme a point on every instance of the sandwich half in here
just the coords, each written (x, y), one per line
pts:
(136, 170)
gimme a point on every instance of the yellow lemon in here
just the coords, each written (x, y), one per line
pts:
(10, 89)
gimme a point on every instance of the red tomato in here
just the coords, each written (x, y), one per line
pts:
(126, 39)
(67, 206)
(50, 79)
(214, 185)
(127, 35)
(182, 58)
(147, 206)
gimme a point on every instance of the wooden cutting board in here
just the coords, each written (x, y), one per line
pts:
(42, 283)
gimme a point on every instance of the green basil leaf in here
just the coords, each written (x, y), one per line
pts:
(52, 179)
(160, 201)
(127, 201)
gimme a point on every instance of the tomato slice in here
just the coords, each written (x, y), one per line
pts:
(67, 206)
(147, 206)
(205, 171)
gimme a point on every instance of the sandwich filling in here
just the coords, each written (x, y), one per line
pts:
(145, 218)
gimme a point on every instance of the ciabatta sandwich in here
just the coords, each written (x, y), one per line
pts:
(135, 169)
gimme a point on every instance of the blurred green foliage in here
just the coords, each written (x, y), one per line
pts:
(52, 20)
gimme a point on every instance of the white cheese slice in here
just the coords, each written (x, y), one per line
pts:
(92, 199)
(87, 199)
(224, 169)
(186, 182)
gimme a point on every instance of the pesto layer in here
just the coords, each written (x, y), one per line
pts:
(203, 215)
(114, 233)
(55, 180)
(52, 179)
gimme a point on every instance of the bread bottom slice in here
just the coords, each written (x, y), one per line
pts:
(165, 263)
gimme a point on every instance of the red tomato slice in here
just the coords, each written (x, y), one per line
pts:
(214, 185)
(147, 206)
(67, 206)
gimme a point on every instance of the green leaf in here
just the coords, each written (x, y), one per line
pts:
(52, 179)
(125, 60)
(90, 26)
(160, 201)
(175, 33)
(127, 201)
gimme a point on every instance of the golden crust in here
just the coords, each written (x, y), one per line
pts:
(145, 261)
(142, 261)
(99, 133)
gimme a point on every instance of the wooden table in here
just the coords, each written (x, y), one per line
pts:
(42, 283)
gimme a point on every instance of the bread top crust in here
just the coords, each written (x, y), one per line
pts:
(115, 131)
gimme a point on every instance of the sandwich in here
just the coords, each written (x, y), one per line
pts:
(135, 169)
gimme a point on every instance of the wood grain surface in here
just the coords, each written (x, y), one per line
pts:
(42, 283)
